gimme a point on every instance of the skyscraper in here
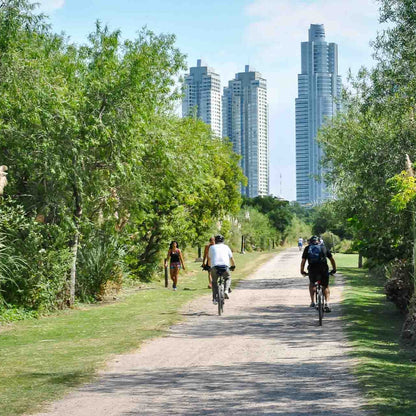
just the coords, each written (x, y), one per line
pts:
(203, 93)
(245, 122)
(319, 90)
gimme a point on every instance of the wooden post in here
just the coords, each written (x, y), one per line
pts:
(243, 243)
(166, 273)
(360, 261)
(199, 258)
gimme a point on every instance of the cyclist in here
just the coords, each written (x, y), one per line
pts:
(316, 254)
(219, 254)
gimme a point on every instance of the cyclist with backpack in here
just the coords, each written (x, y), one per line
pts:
(316, 254)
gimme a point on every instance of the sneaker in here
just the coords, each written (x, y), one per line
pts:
(327, 308)
(312, 305)
(226, 296)
(214, 301)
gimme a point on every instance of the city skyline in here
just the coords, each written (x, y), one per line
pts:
(229, 35)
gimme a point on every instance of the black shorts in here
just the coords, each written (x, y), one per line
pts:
(321, 274)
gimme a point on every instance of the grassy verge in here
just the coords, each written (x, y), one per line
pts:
(385, 370)
(42, 359)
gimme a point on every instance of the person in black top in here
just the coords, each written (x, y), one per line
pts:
(316, 254)
(176, 261)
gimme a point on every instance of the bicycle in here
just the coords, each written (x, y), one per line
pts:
(320, 300)
(221, 295)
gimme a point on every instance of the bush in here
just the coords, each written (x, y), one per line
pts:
(399, 286)
(101, 267)
(330, 239)
(409, 327)
(42, 248)
(345, 247)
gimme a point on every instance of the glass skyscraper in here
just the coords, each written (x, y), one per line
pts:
(203, 93)
(319, 90)
(245, 122)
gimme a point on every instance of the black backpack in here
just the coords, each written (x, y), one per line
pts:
(316, 254)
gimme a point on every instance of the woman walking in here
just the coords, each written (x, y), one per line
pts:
(176, 262)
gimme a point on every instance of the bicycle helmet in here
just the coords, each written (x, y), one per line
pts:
(219, 239)
(314, 240)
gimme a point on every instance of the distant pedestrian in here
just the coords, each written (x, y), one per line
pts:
(205, 261)
(176, 262)
(300, 243)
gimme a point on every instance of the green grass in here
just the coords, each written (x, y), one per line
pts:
(384, 367)
(42, 359)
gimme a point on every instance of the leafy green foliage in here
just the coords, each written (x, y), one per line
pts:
(102, 175)
(277, 210)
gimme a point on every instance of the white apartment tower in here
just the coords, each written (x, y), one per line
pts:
(203, 94)
(245, 123)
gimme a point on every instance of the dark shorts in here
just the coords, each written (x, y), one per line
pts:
(321, 274)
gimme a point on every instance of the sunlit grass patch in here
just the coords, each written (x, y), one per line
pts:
(384, 367)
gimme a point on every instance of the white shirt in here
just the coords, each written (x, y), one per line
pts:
(220, 255)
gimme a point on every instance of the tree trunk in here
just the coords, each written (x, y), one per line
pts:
(75, 244)
(72, 281)
(360, 261)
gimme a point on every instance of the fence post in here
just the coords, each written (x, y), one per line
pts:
(360, 261)
(166, 273)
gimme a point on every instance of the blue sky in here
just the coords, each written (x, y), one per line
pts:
(228, 34)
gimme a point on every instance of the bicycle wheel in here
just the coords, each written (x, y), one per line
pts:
(320, 306)
(220, 298)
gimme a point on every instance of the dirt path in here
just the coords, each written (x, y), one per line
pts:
(265, 356)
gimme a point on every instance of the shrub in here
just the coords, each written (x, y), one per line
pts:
(42, 248)
(330, 239)
(100, 267)
(399, 286)
(345, 247)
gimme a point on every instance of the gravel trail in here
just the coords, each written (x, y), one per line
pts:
(265, 356)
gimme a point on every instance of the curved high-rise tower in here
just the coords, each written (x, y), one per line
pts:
(319, 90)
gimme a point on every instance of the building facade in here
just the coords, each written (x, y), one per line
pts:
(202, 93)
(319, 91)
(245, 123)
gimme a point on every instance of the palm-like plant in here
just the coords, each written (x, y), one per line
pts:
(9, 264)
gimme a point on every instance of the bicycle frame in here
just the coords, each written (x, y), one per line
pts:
(221, 294)
(320, 299)
(221, 289)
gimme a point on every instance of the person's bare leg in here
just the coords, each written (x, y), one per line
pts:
(312, 291)
(175, 276)
(327, 293)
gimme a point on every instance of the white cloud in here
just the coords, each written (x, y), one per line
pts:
(50, 5)
(278, 26)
